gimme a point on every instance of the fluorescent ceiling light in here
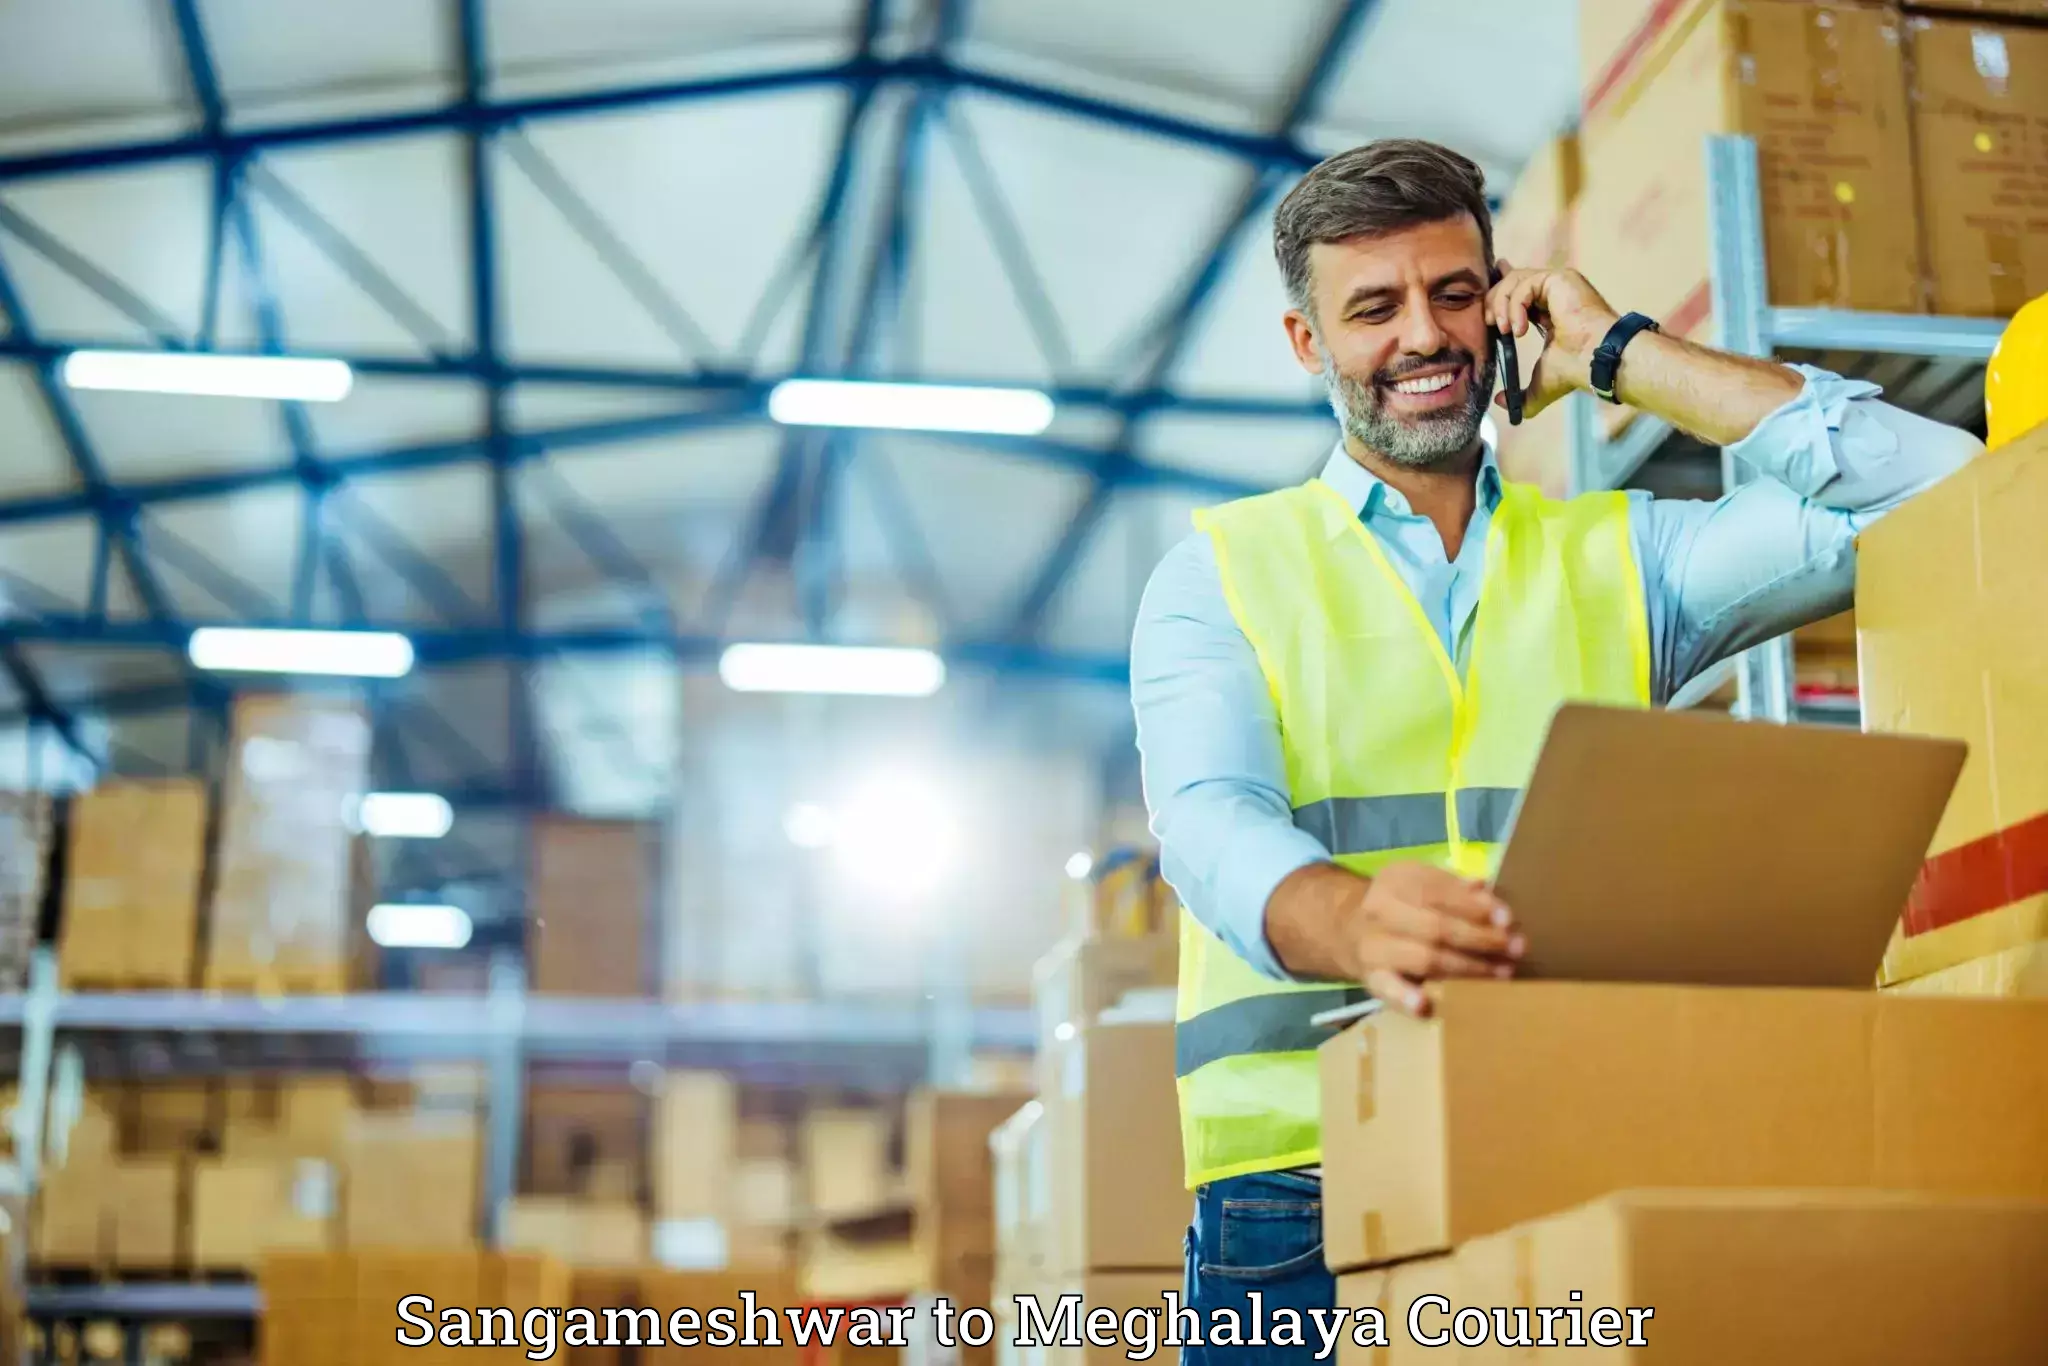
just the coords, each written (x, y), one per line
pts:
(1080, 865)
(188, 372)
(909, 407)
(405, 815)
(351, 654)
(419, 925)
(856, 669)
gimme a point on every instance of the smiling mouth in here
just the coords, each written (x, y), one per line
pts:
(1424, 386)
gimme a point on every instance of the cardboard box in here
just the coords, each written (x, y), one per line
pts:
(847, 1270)
(1077, 979)
(1793, 1277)
(146, 1212)
(2020, 972)
(165, 1119)
(1117, 1196)
(72, 1226)
(309, 1308)
(1020, 1179)
(846, 1162)
(765, 1192)
(581, 1233)
(281, 917)
(1534, 228)
(597, 1291)
(243, 1208)
(667, 1291)
(1940, 582)
(427, 1175)
(1822, 89)
(1980, 105)
(590, 890)
(25, 837)
(136, 854)
(571, 1130)
(384, 1276)
(696, 1130)
(952, 1182)
(1712, 1087)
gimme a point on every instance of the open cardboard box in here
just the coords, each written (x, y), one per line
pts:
(1707, 902)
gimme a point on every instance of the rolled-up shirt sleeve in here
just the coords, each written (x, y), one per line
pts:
(1209, 744)
(1780, 551)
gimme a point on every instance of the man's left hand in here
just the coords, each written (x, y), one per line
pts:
(1572, 318)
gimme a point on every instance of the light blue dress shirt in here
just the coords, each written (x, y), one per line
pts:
(1773, 555)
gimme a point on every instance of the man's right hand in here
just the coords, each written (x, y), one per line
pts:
(1408, 924)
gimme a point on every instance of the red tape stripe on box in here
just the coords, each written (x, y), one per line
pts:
(2003, 867)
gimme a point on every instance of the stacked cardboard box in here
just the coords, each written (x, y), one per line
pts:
(585, 1140)
(952, 1184)
(589, 893)
(281, 918)
(847, 1157)
(341, 1309)
(1980, 111)
(770, 1293)
(1822, 89)
(427, 1170)
(1945, 585)
(1082, 976)
(136, 855)
(24, 873)
(1789, 1121)
(1534, 229)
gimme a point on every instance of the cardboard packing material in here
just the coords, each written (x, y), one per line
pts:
(1020, 1178)
(696, 1132)
(952, 1183)
(147, 1213)
(1442, 1130)
(1534, 228)
(70, 1223)
(573, 1129)
(25, 835)
(386, 1275)
(590, 892)
(582, 1233)
(427, 1173)
(1822, 89)
(836, 1268)
(1941, 582)
(1112, 1129)
(170, 1118)
(2020, 971)
(1775, 1278)
(764, 1192)
(667, 1291)
(281, 913)
(309, 1308)
(1077, 979)
(136, 854)
(1980, 111)
(847, 1162)
(598, 1290)
(243, 1208)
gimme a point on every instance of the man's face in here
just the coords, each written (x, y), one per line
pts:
(1398, 330)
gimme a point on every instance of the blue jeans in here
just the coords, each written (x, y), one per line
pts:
(1263, 1233)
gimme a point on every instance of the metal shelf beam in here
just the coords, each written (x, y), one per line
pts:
(144, 1300)
(554, 1025)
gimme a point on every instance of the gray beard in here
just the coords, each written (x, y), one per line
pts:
(1430, 443)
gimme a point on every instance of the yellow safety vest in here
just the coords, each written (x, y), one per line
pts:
(1390, 754)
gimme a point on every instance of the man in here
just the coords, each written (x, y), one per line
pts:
(1339, 686)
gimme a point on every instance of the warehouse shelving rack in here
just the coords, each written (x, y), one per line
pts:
(502, 1029)
(1926, 363)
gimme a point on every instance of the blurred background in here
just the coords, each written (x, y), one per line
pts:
(562, 816)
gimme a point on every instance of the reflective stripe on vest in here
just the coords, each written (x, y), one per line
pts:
(1392, 752)
(1408, 820)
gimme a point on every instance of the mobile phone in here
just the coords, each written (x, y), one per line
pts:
(1509, 367)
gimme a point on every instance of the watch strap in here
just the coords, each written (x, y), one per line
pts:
(1607, 356)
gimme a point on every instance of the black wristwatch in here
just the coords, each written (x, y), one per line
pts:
(1607, 358)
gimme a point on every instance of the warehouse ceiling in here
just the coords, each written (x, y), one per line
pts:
(568, 249)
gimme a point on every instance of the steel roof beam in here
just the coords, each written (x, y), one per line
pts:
(484, 114)
(1177, 328)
